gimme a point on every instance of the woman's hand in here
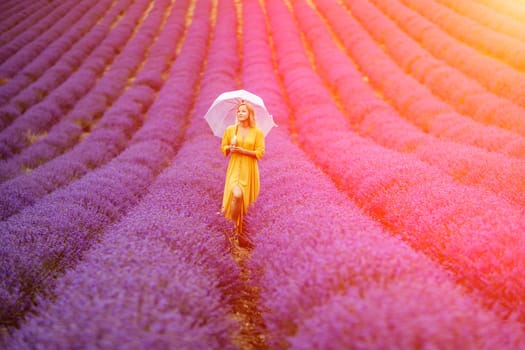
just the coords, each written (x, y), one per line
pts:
(240, 150)
(236, 149)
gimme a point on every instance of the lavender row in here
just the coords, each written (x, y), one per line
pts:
(91, 107)
(49, 70)
(52, 235)
(138, 291)
(21, 50)
(16, 14)
(166, 47)
(388, 294)
(20, 18)
(305, 261)
(182, 260)
(111, 134)
(510, 9)
(69, 65)
(437, 77)
(488, 18)
(59, 60)
(469, 165)
(503, 80)
(85, 115)
(498, 45)
(335, 325)
(9, 7)
(41, 116)
(465, 229)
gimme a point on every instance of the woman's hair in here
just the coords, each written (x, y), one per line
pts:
(251, 112)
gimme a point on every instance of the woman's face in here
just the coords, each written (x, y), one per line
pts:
(242, 113)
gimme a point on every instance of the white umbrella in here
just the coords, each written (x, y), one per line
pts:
(223, 111)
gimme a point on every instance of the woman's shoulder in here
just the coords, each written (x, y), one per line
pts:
(258, 131)
(230, 129)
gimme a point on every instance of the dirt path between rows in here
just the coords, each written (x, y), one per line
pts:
(251, 334)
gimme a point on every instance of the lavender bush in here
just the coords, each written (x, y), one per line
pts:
(386, 127)
(509, 82)
(61, 57)
(371, 182)
(20, 16)
(113, 86)
(302, 263)
(100, 197)
(61, 100)
(38, 35)
(198, 318)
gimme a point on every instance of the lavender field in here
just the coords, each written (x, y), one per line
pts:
(392, 204)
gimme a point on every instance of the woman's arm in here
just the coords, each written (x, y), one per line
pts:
(259, 144)
(225, 144)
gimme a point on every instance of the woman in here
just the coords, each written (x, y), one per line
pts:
(245, 143)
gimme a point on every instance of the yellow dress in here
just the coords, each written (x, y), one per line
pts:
(242, 169)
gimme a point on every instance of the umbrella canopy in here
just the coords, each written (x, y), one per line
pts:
(223, 111)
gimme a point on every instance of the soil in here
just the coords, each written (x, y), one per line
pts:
(251, 334)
